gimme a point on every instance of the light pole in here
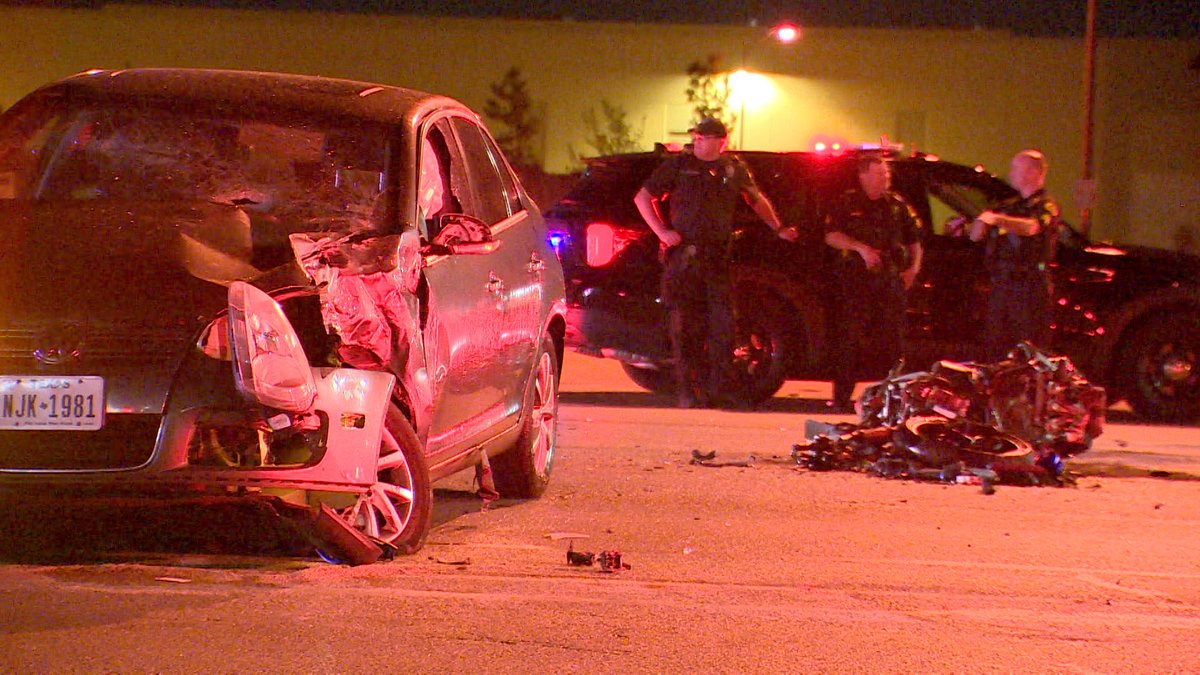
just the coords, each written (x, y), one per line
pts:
(743, 79)
(1086, 192)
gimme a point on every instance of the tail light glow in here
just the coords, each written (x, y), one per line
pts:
(601, 244)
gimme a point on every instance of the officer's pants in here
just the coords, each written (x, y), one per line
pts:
(867, 333)
(698, 297)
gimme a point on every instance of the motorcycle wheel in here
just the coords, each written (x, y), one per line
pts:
(937, 441)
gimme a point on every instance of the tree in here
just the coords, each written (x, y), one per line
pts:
(612, 135)
(708, 91)
(511, 106)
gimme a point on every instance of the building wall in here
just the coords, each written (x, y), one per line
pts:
(966, 95)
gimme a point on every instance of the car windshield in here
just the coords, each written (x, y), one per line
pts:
(291, 168)
(223, 187)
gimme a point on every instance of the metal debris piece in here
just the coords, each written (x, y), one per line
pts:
(566, 535)
(709, 459)
(580, 558)
(610, 561)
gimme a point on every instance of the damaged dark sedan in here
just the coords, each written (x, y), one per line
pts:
(315, 293)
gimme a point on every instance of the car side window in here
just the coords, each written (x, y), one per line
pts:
(442, 181)
(484, 167)
(954, 206)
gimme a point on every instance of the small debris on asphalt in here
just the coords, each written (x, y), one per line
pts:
(709, 459)
(610, 560)
(555, 536)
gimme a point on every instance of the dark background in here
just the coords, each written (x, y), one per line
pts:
(1160, 18)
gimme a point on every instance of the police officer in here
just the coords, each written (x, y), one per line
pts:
(701, 188)
(876, 235)
(1021, 235)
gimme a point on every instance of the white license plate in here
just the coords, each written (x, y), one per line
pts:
(41, 402)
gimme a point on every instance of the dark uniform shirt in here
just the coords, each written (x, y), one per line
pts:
(702, 197)
(1009, 254)
(888, 224)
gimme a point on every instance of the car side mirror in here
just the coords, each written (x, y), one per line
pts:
(459, 228)
(461, 234)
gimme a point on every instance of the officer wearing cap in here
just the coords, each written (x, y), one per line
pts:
(876, 235)
(701, 187)
(1021, 236)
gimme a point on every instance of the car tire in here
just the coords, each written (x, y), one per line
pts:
(523, 471)
(657, 380)
(398, 509)
(1160, 369)
(762, 349)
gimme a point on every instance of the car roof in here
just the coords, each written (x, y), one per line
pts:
(286, 91)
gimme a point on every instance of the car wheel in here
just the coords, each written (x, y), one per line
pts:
(524, 470)
(657, 380)
(761, 351)
(398, 508)
(1160, 366)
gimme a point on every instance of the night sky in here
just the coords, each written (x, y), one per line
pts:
(1118, 18)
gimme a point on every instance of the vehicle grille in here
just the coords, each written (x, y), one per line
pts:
(126, 441)
(17, 345)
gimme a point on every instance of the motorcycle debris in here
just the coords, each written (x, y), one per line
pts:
(709, 459)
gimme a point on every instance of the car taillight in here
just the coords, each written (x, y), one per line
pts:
(269, 364)
(605, 242)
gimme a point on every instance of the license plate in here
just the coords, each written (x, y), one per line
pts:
(40, 402)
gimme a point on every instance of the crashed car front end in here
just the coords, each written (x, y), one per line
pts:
(159, 341)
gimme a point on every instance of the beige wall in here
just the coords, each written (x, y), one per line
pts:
(971, 96)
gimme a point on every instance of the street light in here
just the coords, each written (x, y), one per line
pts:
(786, 32)
(747, 84)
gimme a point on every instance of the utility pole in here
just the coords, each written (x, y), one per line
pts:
(1086, 191)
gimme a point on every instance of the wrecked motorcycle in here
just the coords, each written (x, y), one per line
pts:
(1020, 415)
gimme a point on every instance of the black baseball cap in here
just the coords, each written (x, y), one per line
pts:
(710, 127)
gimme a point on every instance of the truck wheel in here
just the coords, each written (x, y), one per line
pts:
(523, 471)
(1160, 366)
(657, 380)
(762, 350)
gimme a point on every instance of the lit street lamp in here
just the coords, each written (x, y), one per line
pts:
(746, 84)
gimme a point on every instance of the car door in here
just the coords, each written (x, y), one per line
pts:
(464, 321)
(519, 264)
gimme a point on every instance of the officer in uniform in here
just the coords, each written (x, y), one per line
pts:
(1020, 237)
(701, 188)
(876, 235)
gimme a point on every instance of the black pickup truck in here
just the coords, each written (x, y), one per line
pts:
(1129, 317)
